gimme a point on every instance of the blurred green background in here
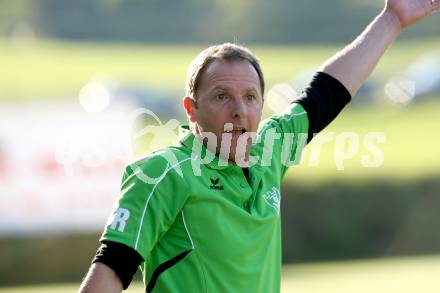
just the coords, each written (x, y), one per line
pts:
(333, 220)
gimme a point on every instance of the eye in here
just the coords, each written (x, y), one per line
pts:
(250, 97)
(221, 97)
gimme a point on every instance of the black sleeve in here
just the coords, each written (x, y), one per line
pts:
(323, 99)
(120, 258)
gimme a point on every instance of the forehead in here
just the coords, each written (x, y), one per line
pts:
(236, 73)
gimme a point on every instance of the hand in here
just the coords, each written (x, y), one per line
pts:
(410, 11)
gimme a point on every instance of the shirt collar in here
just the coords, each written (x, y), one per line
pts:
(191, 142)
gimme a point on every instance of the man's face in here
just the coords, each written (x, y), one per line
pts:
(229, 94)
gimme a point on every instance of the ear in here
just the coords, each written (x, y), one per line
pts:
(190, 106)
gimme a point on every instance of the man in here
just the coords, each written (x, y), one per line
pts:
(203, 216)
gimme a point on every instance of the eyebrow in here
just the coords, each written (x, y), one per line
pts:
(224, 88)
(220, 87)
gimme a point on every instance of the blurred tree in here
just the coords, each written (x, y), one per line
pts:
(277, 21)
(13, 12)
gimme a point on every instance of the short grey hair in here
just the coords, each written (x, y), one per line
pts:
(226, 51)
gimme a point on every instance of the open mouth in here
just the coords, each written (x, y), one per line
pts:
(238, 130)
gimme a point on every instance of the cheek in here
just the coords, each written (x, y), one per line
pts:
(254, 119)
(209, 120)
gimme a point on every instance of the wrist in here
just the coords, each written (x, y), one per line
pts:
(391, 21)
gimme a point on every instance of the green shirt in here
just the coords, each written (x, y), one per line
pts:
(203, 227)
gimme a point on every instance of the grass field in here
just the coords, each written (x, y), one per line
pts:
(400, 275)
(47, 68)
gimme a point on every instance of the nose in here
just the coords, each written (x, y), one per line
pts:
(239, 110)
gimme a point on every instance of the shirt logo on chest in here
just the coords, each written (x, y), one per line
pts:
(214, 184)
(273, 198)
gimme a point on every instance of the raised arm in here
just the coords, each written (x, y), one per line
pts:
(101, 278)
(353, 64)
